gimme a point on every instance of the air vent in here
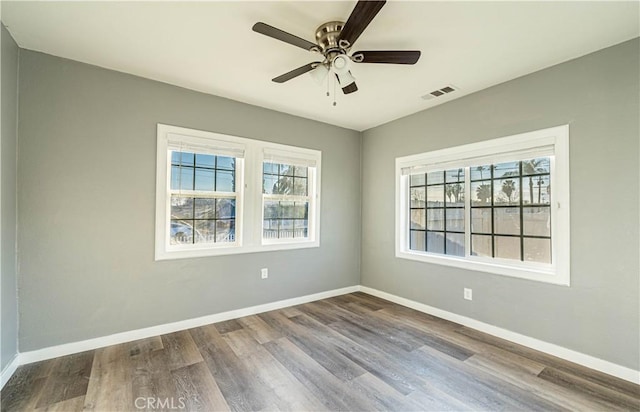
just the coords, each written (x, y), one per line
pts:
(439, 92)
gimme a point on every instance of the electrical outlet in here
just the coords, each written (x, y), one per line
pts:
(468, 294)
(264, 272)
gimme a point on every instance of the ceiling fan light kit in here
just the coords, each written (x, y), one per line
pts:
(334, 40)
(319, 73)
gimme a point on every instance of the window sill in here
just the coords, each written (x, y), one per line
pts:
(503, 268)
(232, 250)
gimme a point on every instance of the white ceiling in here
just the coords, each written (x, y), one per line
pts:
(210, 47)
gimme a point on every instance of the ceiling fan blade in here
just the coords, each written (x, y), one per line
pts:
(278, 34)
(296, 72)
(387, 56)
(359, 19)
(350, 88)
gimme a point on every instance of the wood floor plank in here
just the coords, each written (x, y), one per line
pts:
(367, 356)
(374, 302)
(235, 380)
(197, 390)
(506, 363)
(384, 396)
(412, 314)
(399, 333)
(144, 345)
(292, 394)
(69, 405)
(181, 350)
(110, 382)
(228, 326)
(316, 345)
(431, 399)
(151, 379)
(435, 368)
(585, 373)
(325, 386)
(290, 312)
(526, 379)
(445, 331)
(242, 342)
(590, 388)
(442, 329)
(22, 391)
(68, 379)
(316, 311)
(259, 329)
(420, 335)
(474, 386)
(388, 331)
(352, 305)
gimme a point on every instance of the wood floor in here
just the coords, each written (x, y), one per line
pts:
(350, 353)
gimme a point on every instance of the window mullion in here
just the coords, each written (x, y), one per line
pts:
(287, 198)
(467, 211)
(202, 194)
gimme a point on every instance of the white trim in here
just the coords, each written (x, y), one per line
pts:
(591, 362)
(117, 338)
(10, 369)
(552, 142)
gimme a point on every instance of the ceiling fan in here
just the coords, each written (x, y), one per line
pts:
(334, 40)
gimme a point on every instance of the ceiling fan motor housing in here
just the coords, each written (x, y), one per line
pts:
(327, 37)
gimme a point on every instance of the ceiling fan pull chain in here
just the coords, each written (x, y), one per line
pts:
(328, 85)
(334, 91)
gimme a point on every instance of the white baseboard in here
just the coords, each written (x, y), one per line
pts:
(9, 370)
(95, 343)
(592, 362)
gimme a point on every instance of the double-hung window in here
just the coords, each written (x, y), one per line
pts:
(489, 206)
(287, 196)
(218, 194)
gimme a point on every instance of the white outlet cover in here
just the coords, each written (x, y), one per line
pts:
(468, 294)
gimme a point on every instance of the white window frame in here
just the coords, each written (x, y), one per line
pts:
(552, 142)
(249, 206)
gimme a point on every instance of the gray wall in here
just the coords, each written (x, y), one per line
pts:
(9, 131)
(598, 95)
(87, 151)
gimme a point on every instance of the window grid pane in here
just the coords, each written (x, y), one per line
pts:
(202, 220)
(202, 172)
(283, 179)
(437, 212)
(285, 220)
(512, 199)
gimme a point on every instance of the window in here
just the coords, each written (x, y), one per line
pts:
(219, 194)
(489, 206)
(288, 204)
(203, 198)
(286, 201)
